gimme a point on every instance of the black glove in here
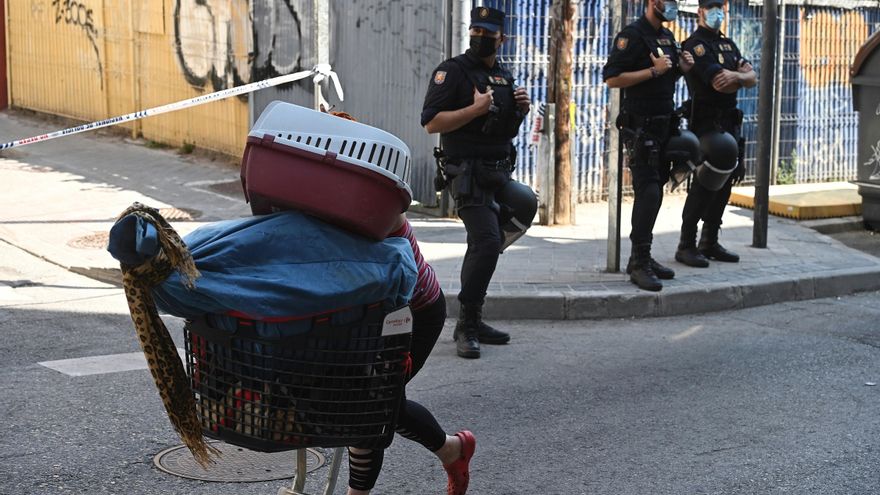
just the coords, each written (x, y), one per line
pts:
(739, 173)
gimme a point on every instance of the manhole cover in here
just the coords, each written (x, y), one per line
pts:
(235, 464)
(95, 240)
(179, 214)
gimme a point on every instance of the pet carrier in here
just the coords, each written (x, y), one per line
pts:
(347, 173)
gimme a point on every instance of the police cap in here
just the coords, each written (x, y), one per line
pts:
(487, 18)
(711, 3)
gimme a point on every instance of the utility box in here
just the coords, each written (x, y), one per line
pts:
(865, 74)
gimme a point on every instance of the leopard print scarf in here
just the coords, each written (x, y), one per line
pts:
(160, 351)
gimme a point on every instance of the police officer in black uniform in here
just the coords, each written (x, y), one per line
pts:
(645, 62)
(720, 71)
(474, 105)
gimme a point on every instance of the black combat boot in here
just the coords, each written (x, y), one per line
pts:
(487, 334)
(710, 247)
(687, 251)
(642, 274)
(662, 272)
(467, 344)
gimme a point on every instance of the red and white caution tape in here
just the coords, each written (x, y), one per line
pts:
(320, 71)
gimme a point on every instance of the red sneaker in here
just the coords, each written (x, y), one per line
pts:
(457, 471)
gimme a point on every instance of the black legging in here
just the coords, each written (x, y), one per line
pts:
(414, 421)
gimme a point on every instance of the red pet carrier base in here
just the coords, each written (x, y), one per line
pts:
(275, 175)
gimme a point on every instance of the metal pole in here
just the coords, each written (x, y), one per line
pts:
(765, 126)
(133, 66)
(444, 203)
(614, 165)
(322, 41)
(777, 107)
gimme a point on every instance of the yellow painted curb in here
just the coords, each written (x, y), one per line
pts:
(805, 201)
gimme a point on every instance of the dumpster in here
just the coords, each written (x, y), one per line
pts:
(865, 74)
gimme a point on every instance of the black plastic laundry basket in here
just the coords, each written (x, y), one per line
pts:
(334, 385)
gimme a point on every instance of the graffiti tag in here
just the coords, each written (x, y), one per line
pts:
(875, 162)
(79, 15)
(219, 43)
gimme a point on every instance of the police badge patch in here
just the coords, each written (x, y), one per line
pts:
(699, 50)
(440, 77)
(484, 12)
(622, 43)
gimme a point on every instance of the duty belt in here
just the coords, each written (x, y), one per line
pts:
(704, 111)
(504, 164)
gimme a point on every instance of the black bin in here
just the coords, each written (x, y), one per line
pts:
(865, 74)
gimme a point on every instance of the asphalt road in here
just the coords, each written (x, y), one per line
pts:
(769, 400)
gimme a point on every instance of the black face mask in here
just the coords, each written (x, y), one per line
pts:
(483, 46)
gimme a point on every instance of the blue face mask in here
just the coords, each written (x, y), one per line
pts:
(670, 11)
(714, 18)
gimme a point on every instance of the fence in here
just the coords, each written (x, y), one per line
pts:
(817, 126)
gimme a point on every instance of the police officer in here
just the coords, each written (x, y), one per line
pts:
(645, 63)
(474, 105)
(720, 71)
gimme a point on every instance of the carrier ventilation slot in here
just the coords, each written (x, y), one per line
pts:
(361, 152)
(372, 152)
(327, 146)
(388, 161)
(299, 139)
(379, 160)
(309, 140)
(317, 143)
(396, 160)
(342, 148)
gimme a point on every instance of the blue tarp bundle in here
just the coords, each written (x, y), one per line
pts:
(274, 266)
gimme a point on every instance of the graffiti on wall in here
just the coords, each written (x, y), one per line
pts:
(79, 15)
(223, 46)
(874, 161)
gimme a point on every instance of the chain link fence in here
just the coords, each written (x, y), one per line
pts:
(816, 128)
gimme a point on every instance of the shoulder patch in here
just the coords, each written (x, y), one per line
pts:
(664, 42)
(721, 58)
(622, 43)
(699, 50)
(440, 77)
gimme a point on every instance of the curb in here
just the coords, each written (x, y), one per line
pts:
(598, 305)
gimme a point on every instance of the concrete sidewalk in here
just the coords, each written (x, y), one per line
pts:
(61, 197)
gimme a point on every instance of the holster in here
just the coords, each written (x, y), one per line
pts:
(644, 137)
(441, 180)
(460, 176)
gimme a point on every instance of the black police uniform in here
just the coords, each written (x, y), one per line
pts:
(477, 160)
(710, 110)
(646, 121)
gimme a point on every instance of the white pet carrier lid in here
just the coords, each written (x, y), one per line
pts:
(353, 142)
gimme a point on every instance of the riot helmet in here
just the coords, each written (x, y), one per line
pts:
(683, 150)
(720, 153)
(519, 205)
